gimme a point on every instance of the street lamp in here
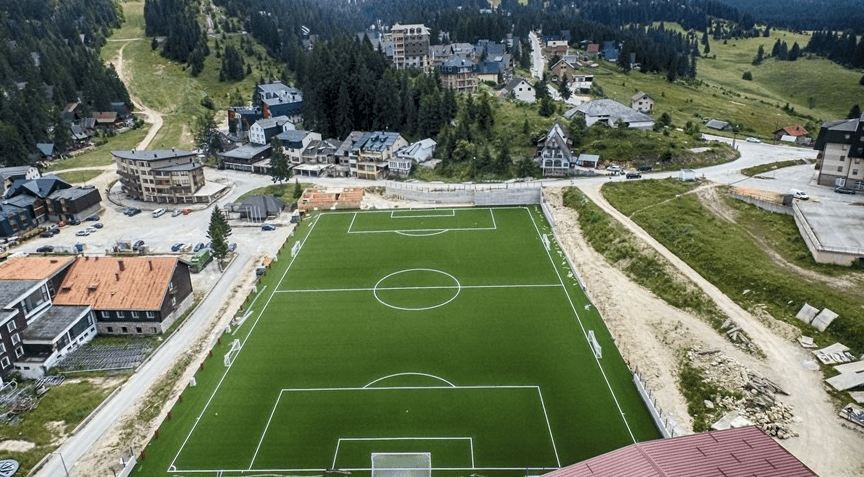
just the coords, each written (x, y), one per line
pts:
(62, 462)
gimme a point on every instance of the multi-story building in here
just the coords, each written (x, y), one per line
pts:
(410, 45)
(840, 161)
(642, 102)
(554, 153)
(165, 176)
(371, 154)
(458, 73)
(262, 132)
(279, 100)
(295, 142)
(129, 295)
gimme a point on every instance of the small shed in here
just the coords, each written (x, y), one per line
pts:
(687, 175)
(718, 125)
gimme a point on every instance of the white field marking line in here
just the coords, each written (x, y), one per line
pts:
(420, 230)
(494, 225)
(246, 471)
(339, 442)
(584, 333)
(248, 334)
(261, 441)
(458, 289)
(430, 234)
(549, 426)
(452, 213)
(352, 222)
(411, 374)
(442, 287)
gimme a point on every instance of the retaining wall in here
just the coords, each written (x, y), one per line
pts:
(476, 194)
(764, 204)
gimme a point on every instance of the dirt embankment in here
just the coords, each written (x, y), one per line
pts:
(654, 336)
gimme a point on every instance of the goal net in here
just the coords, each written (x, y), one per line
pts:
(402, 464)
(296, 248)
(232, 353)
(598, 351)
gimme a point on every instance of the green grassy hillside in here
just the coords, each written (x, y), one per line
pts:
(811, 86)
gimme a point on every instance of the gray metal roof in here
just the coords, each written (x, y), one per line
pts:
(72, 193)
(14, 172)
(292, 135)
(611, 109)
(266, 204)
(349, 142)
(54, 321)
(268, 123)
(153, 155)
(13, 289)
(375, 141)
(716, 124)
(246, 151)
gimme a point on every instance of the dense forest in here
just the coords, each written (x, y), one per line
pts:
(177, 21)
(806, 15)
(278, 24)
(842, 47)
(49, 57)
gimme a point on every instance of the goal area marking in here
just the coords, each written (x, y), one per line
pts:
(414, 464)
(468, 440)
(422, 232)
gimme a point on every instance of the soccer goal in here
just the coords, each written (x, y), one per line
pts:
(296, 248)
(402, 464)
(232, 353)
(598, 351)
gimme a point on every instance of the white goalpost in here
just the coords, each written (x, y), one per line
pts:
(545, 239)
(232, 353)
(598, 351)
(295, 248)
(417, 464)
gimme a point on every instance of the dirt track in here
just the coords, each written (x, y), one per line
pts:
(652, 334)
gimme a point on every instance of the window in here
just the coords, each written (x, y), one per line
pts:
(110, 329)
(2, 347)
(123, 329)
(173, 301)
(120, 314)
(839, 168)
(138, 330)
(134, 314)
(105, 314)
(19, 351)
(11, 326)
(151, 315)
(16, 339)
(171, 285)
(854, 172)
(4, 362)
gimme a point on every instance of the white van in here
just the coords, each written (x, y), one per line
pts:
(159, 212)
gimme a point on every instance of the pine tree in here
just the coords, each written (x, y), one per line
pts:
(795, 52)
(298, 189)
(279, 170)
(854, 113)
(760, 55)
(218, 233)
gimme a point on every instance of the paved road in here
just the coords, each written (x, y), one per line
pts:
(538, 64)
(166, 229)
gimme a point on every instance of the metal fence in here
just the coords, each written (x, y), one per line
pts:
(444, 187)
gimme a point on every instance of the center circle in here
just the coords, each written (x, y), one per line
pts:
(417, 289)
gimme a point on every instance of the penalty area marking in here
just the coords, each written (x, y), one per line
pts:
(411, 232)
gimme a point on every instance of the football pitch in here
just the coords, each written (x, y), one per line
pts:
(457, 335)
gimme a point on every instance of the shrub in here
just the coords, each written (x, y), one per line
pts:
(747, 76)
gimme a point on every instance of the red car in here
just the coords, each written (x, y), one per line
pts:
(187, 211)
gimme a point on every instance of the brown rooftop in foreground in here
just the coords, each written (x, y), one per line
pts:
(744, 452)
(32, 268)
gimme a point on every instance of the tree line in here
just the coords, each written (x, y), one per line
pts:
(49, 56)
(177, 21)
(840, 47)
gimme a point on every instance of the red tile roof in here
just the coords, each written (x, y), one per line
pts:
(794, 131)
(593, 48)
(744, 452)
(111, 283)
(32, 268)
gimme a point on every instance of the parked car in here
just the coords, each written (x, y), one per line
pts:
(753, 140)
(646, 168)
(93, 218)
(138, 245)
(91, 229)
(132, 211)
(232, 247)
(799, 194)
(844, 190)
(74, 222)
(198, 247)
(268, 227)
(634, 175)
(614, 169)
(176, 212)
(260, 271)
(98, 225)
(187, 211)
(45, 249)
(47, 234)
(159, 212)
(82, 233)
(176, 247)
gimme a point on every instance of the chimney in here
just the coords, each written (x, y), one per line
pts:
(150, 262)
(122, 266)
(117, 276)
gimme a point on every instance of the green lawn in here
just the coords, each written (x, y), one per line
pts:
(814, 87)
(453, 328)
(79, 177)
(771, 166)
(101, 156)
(734, 256)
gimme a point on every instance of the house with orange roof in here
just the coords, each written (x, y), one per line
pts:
(796, 132)
(34, 333)
(129, 295)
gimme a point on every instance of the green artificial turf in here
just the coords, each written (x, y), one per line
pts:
(453, 332)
